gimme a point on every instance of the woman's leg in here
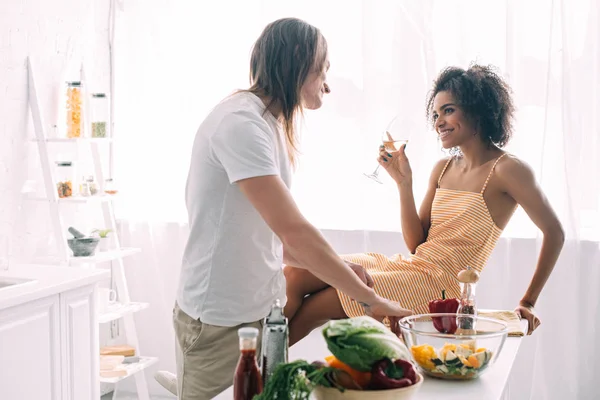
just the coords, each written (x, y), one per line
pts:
(299, 283)
(316, 310)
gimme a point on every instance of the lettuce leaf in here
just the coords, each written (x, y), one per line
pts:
(362, 341)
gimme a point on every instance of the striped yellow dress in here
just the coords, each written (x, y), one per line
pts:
(462, 233)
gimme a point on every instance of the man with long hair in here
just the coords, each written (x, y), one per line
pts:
(244, 224)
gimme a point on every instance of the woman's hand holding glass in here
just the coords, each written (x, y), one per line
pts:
(395, 162)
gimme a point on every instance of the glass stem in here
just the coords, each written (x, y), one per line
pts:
(376, 172)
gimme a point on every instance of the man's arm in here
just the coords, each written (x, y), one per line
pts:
(304, 244)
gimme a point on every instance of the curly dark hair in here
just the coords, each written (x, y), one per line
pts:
(484, 97)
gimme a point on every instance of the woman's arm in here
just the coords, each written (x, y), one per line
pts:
(424, 217)
(518, 181)
(415, 226)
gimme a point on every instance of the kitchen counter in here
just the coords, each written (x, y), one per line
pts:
(42, 281)
(489, 386)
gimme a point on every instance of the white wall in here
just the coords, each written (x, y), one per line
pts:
(57, 35)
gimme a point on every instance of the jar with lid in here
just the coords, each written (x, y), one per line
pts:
(92, 185)
(110, 187)
(74, 108)
(65, 177)
(100, 111)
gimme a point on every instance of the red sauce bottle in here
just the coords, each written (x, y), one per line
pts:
(247, 381)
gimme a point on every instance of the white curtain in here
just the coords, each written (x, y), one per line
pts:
(176, 59)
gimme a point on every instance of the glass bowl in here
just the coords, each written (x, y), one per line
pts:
(462, 355)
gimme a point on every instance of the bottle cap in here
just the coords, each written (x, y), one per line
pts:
(276, 315)
(468, 275)
(248, 333)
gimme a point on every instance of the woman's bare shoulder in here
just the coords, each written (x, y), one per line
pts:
(513, 169)
(438, 167)
(440, 164)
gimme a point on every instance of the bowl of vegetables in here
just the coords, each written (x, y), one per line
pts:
(368, 362)
(453, 346)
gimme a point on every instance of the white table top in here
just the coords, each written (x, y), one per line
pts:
(44, 280)
(489, 386)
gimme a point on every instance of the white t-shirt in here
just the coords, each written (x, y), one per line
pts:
(232, 264)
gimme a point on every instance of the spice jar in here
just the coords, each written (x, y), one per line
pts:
(65, 176)
(92, 185)
(99, 108)
(110, 187)
(468, 279)
(74, 109)
(84, 188)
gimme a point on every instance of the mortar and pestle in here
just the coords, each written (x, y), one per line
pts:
(81, 245)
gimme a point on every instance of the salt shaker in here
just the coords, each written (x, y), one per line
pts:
(468, 305)
(274, 341)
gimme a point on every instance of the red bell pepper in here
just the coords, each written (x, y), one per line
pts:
(444, 305)
(388, 374)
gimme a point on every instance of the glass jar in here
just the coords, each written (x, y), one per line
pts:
(84, 187)
(100, 111)
(92, 185)
(110, 187)
(65, 177)
(74, 108)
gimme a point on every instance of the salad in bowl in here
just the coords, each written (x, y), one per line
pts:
(461, 355)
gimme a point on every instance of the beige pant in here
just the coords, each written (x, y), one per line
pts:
(206, 356)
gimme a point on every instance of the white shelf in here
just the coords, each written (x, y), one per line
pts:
(102, 256)
(87, 199)
(131, 369)
(118, 310)
(76, 199)
(76, 140)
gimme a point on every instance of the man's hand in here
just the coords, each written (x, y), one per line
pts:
(387, 308)
(362, 273)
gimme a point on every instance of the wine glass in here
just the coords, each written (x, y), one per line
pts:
(392, 139)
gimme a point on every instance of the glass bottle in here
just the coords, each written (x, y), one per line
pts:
(275, 341)
(74, 109)
(247, 381)
(468, 279)
(99, 108)
(84, 187)
(65, 177)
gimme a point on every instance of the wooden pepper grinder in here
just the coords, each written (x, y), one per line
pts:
(468, 279)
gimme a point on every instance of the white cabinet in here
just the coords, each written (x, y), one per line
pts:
(79, 341)
(49, 348)
(30, 351)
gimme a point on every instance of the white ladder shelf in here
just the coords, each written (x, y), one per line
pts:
(125, 308)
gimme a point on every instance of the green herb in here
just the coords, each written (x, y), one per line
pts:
(103, 233)
(295, 381)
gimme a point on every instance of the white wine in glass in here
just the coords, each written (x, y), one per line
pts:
(392, 141)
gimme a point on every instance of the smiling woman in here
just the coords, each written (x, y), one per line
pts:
(471, 197)
(477, 100)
